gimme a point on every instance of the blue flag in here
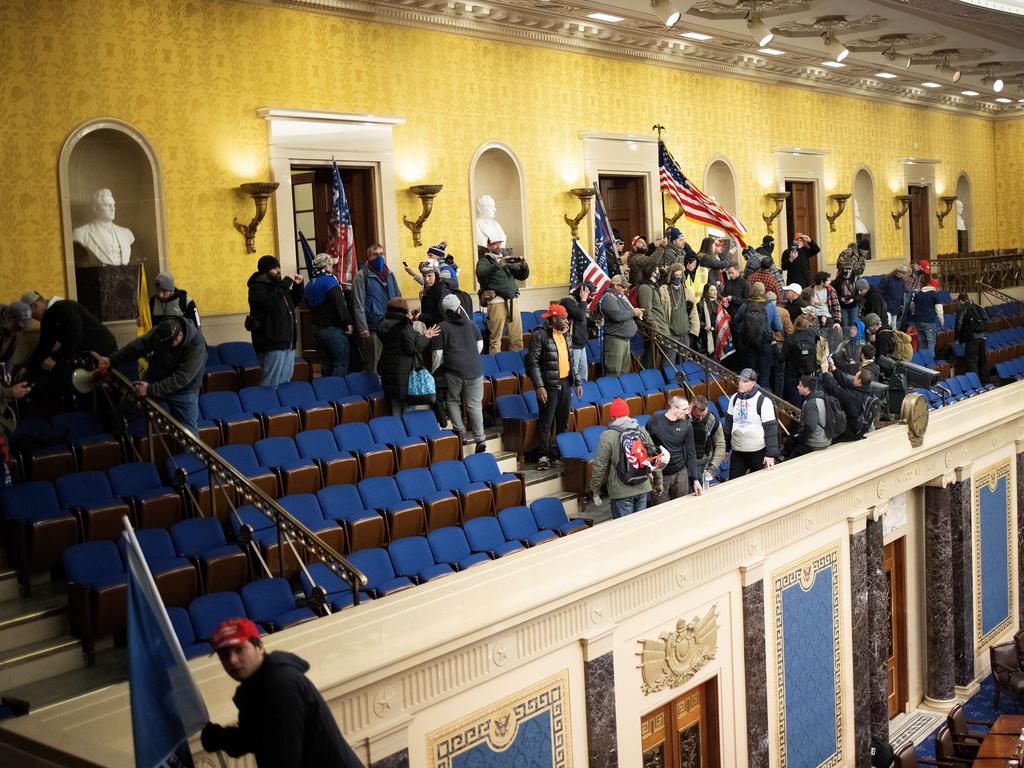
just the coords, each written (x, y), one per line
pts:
(307, 252)
(166, 706)
(603, 237)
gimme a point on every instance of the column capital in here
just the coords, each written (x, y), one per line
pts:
(390, 745)
(947, 478)
(752, 573)
(858, 522)
(964, 473)
(598, 641)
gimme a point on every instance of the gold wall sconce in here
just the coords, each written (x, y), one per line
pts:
(778, 199)
(840, 201)
(585, 195)
(950, 201)
(260, 192)
(904, 201)
(426, 193)
(670, 221)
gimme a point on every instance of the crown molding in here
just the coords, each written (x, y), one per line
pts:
(312, 115)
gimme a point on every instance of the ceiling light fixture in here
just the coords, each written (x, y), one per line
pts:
(833, 64)
(886, 75)
(771, 51)
(604, 17)
(759, 30)
(969, 93)
(697, 36)
(946, 69)
(836, 49)
(930, 84)
(1004, 100)
(897, 59)
(666, 11)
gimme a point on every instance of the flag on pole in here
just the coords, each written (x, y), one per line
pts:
(166, 705)
(695, 204)
(341, 241)
(582, 268)
(603, 236)
(145, 324)
(307, 252)
(723, 335)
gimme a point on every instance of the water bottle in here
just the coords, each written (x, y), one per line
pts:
(708, 476)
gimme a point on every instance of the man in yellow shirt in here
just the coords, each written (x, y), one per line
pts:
(549, 367)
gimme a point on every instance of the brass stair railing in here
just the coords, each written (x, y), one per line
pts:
(1004, 297)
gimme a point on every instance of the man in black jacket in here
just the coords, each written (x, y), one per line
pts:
(576, 306)
(549, 367)
(282, 718)
(797, 260)
(177, 354)
(457, 350)
(852, 392)
(972, 332)
(735, 289)
(872, 302)
(332, 322)
(272, 302)
(672, 430)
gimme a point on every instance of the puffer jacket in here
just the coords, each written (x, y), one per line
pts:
(272, 308)
(648, 297)
(401, 348)
(542, 360)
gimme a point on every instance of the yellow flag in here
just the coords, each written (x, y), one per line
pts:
(145, 320)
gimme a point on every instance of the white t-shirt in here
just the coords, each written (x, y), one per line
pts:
(748, 420)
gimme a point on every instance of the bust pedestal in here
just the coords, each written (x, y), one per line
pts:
(110, 293)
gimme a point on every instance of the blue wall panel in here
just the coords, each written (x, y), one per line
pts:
(992, 535)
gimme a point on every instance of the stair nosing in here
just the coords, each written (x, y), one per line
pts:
(34, 651)
(42, 613)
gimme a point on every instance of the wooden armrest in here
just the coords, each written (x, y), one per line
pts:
(986, 723)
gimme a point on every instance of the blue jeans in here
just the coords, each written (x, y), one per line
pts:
(184, 406)
(277, 365)
(332, 344)
(579, 362)
(629, 505)
(850, 315)
(926, 336)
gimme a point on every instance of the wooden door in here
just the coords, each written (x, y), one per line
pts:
(896, 663)
(920, 231)
(802, 215)
(625, 204)
(684, 732)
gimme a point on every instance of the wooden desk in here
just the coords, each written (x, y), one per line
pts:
(993, 762)
(999, 745)
(1008, 724)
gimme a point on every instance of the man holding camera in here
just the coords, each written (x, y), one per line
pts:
(497, 275)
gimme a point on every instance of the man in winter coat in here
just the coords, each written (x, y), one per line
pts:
(852, 393)
(811, 436)
(576, 306)
(754, 327)
(549, 366)
(735, 289)
(374, 286)
(457, 351)
(332, 323)
(625, 499)
(169, 301)
(674, 251)
(927, 315)
(797, 260)
(680, 309)
(497, 275)
(871, 299)
(892, 287)
(708, 437)
(972, 332)
(272, 302)
(282, 718)
(619, 327)
(751, 426)
(648, 299)
(176, 351)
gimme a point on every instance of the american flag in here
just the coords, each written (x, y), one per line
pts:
(603, 237)
(582, 268)
(341, 239)
(695, 204)
(723, 334)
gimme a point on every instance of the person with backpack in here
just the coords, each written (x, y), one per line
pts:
(708, 438)
(672, 431)
(972, 332)
(854, 395)
(169, 301)
(799, 354)
(751, 427)
(755, 324)
(888, 342)
(821, 419)
(627, 462)
(332, 322)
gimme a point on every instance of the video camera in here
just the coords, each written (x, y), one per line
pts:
(902, 376)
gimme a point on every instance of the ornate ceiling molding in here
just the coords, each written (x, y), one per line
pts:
(836, 24)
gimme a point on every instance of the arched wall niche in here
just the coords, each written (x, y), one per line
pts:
(864, 222)
(107, 153)
(720, 183)
(964, 213)
(496, 171)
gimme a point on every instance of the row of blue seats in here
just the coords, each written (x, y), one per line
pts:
(235, 364)
(1011, 370)
(953, 390)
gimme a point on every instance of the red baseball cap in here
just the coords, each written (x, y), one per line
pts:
(555, 309)
(233, 632)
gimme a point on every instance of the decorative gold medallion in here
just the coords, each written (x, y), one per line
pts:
(914, 412)
(677, 656)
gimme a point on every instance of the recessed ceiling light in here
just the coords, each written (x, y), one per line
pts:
(1004, 100)
(1020, 101)
(604, 17)
(886, 75)
(771, 51)
(930, 84)
(968, 93)
(833, 64)
(759, 30)
(696, 36)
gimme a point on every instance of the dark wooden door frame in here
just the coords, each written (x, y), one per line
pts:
(894, 568)
(802, 215)
(919, 222)
(636, 218)
(669, 717)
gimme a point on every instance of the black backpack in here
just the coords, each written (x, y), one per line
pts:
(866, 418)
(635, 458)
(755, 324)
(974, 319)
(806, 345)
(833, 417)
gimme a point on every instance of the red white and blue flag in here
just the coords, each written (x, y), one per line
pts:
(603, 236)
(341, 236)
(582, 269)
(723, 334)
(695, 205)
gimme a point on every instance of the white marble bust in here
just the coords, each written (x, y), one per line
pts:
(487, 227)
(104, 240)
(858, 222)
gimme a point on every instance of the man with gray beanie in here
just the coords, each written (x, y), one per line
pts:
(457, 355)
(14, 318)
(171, 301)
(872, 302)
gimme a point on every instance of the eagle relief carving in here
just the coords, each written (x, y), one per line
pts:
(677, 656)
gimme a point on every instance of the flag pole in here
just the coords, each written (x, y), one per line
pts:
(661, 192)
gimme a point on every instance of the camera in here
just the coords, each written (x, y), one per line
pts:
(449, 259)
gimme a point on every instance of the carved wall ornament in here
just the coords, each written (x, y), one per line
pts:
(984, 67)
(940, 55)
(675, 657)
(896, 41)
(710, 9)
(914, 412)
(838, 24)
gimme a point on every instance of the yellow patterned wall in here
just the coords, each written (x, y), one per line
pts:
(1009, 140)
(191, 73)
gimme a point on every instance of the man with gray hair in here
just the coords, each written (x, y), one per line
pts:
(671, 430)
(101, 238)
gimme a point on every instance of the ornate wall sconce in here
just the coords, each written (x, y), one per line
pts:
(904, 201)
(777, 198)
(426, 193)
(840, 201)
(585, 195)
(950, 201)
(260, 192)
(670, 221)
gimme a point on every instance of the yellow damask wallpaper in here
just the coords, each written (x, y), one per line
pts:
(185, 73)
(1009, 141)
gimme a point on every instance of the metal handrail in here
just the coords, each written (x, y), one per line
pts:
(289, 528)
(984, 287)
(718, 371)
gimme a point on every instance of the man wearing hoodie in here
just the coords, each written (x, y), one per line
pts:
(625, 499)
(374, 286)
(332, 323)
(282, 718)
(811, 436)
(927, 316)
(577, 306)
(272, 302)
(176, 352)
(751, 426)
(457, 351)
(169, 301)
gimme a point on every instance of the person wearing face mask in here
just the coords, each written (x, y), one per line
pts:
(577, 306)
(271, 321)
(680, 310)
(549, 366)
(373, 288)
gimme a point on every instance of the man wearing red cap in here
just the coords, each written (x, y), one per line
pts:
(282, 718)
(550, 368)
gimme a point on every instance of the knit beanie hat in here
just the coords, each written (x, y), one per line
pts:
(861, 284)
(618, 408)
(437, 251)
(164, 281)
(267, 263)
(871, 319)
